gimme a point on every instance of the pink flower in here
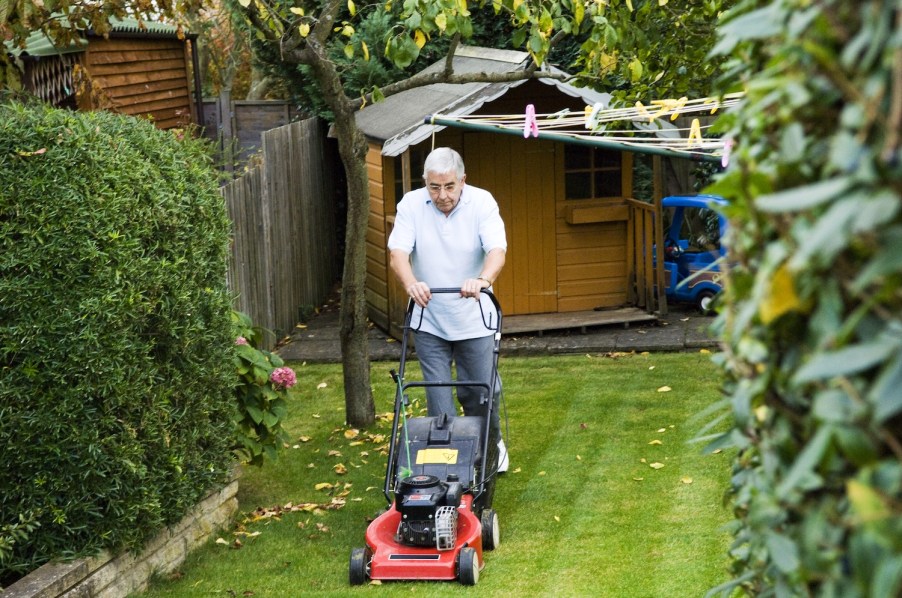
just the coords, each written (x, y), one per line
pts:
(240, 341)
(283, 378)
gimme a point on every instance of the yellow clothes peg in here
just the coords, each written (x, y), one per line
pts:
(695, 132)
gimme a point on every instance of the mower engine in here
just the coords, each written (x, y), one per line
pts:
(428, 510)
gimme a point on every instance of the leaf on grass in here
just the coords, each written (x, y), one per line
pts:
(656, 465)
(324, 486)
(517, 470)
(301, 326)
(642, 460)
(340, 468)
(655, 442)
(578, 458)
(375, 582)
(352, 433)
(638, 479)
(322, 527)
(334, 453)
(321, 385)
(222, 541)
(583, 426)
(704, 351)
(661, 430)
(315, 415)
(651, 367)
(356, 443)
(686, 480)
(665, 389)
(541, 473)
(556, 518)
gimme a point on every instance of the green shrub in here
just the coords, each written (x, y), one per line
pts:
(263, 383)
(116, 374)
(812, 325)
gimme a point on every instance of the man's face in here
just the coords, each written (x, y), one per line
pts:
(445, 190)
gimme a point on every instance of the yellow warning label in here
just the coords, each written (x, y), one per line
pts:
(441, 456)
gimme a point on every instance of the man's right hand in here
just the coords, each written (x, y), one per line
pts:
(420, 293)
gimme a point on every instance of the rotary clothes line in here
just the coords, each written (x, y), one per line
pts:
(640, 128)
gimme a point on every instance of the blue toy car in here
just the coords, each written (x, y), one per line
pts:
(692, 248)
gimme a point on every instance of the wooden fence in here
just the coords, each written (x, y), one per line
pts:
(283, 259)
(645, 275)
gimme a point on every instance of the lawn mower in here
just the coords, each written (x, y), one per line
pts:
(439, 484)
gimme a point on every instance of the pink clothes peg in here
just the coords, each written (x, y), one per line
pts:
(530, 126)
(727, 150)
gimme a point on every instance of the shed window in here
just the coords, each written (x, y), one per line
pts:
(591, 172)
(417, 158)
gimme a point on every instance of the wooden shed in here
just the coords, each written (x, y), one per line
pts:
(579, 246)
(140, 69)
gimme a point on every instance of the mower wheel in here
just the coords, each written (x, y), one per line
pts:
(468, 566)
(357, 569)
(491, 533)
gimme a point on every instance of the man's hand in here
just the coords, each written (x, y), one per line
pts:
(472, 287)
(420, 293)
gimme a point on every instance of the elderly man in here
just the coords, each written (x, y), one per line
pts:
(450, 235)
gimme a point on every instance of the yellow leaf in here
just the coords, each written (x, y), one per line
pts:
(347, 31)
(340, 468)
(222, 541)
(517, 470)
(419, 39)
(352, 433)
(656, 465)
(629, 5)
(779, 297)
(556, 518)
(366, 51)
(304, 439)
(334, 453)
(244, 3)
(656, 441)
(441, 21)
(662, 430)
(321, 385)
(686, 480)
(578, 458)
(352, 8)
(662, 2)
(298, 11)
(642, 460)
(304, 30)
(541, 473)
(324, 486)
(638, 479)
(356, 443)
(866, 502)
(665, 389)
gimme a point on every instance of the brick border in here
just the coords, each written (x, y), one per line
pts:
(118, 575)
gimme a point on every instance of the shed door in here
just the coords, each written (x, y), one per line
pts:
(520, 174)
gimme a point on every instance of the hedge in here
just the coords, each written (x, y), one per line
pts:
(116, 373)
(812, 317)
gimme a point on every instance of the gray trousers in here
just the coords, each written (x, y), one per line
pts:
(474, 360)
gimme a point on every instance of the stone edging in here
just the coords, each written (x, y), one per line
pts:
(118, 575)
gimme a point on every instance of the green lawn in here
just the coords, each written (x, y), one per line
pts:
(583, 512)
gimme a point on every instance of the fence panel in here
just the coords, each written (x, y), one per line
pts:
(283, 252)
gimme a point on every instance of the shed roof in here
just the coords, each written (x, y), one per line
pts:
(398, 121)
(39, 44)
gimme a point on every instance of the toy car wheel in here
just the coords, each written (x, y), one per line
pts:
(705, 301)
(358, 569)
(491, 533)
(468, 566)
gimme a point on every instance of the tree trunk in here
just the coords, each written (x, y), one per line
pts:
(360, 410)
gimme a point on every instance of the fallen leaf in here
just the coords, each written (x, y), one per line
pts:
(661, 430)
(340, 468)
(304, 439)
(517, 470)
(642, 460)
(704, 351)
(651, 367)
(656, 441)
(301, 326)
(583, 426)
(556, 518)
(324, 486)
(322, 527)
(222, 541)
(356, 443)
(716, 451)
(334, 453)
(686, 480)
(578, 458)
(352, 433)
(665, 389)
(638, 479)
(375, 582)
(541, 473)
(315, 415)
(684, 319)
(321, 385)
(656, 465)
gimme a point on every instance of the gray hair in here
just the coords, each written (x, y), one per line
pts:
(443, 160)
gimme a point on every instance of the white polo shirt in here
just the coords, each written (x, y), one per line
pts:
(445, 251)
